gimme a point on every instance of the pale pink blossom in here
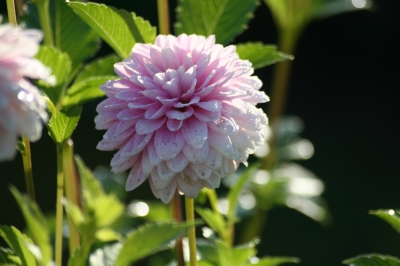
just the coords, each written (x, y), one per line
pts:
(182, 115)
(22, 108)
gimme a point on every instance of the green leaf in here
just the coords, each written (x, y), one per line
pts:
(207, 250)
(77, 216)
(275, 261)
(390, 216)
(224, 254)
(37, 225)
(233, 195)
(242, 254)
(224, 18)
(373, 260)
(147, 240)
(63, 123)
(72, 35)
(105, 256)
(120, 29)
(107, 235)
(85, 90)
(17, 242)
(101, 209)
(99, 67)
(260, 55)
(60, 66)
(216, 222)
(8, 258)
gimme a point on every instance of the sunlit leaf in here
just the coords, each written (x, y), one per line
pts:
(120, 29)
(86, 90)
(105, 256)
(234, 192)
(37, 225)
(107, 235)
(390, 216)
(60, 66)
(275, 261)
(261, 55)
(373, 260)
(147, 240)
(8, 258)
(216, 222)
(225, 19)
(17, 242)
(207, 250)
(63, 123)
(100, 67)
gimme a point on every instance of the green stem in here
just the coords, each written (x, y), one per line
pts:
(71, 191)
(163, 16)
(27, 162)
(45, 23)
(189, 203)
(59, 207)
(176, 210)
(12, 18)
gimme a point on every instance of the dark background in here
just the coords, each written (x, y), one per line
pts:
(345, 86)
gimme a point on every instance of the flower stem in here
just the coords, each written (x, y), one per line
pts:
(12, 18)
(44, 17)
(189, 203)
(71, 191)
(59, 207)
(176, 210)
(27, 162)
(163, 16)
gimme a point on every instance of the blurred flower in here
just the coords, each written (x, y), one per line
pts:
(182, 115)
(22, 108)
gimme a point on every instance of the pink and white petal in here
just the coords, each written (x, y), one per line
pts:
(201, 170)
(136, 144)
(164, 172)
(187, 78)
(158, 183)
(178, 163)
(147, 167)
(212, 105)
(128, 95)
(222, 144)
(195, 132)
(174, 124)
(169, 59)
(135, 177)
(206, 116)
(167, 193)
(120, 164)
(168, 144)
(144, 82)
(178, 115)
(153, 156)
(188, 183)
(172, 87)
(224, 125)
(106, 145)
(103, 122)
(196, 155)
(214, 181)
(146, 126)
(156, 111)
(214, 159)
(130, 114)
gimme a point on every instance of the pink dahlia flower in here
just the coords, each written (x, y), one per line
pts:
(22, 108)
(182, 115)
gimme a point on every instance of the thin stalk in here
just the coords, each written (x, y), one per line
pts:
(12, 18)
(59, 206)
(176, 210)
(189, 203)
(45, 23)
(27, 162)
(71, 191)
(163, 16)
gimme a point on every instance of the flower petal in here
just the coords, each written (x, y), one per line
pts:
(195, 132)
(178, 163)
(136, 144)
(135, 177)
(168, 144)
(146, 126)
(196, 155)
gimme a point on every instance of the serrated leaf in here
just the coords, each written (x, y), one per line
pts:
(60, 66)
(373, 260)
(147, 240)
(8, 258)
(17, 242)
(275, 261)
(101, 209)
(216, 222)
(260, 55)
(85, 90)
(224, 18)
(233, 195)
(63, 123)
(105, 256)
(120, 29)
(100, 67)
(390, 216)
(37, 225)
(75, 214)
(72, 35)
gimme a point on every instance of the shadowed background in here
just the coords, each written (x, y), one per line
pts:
(345, 86)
